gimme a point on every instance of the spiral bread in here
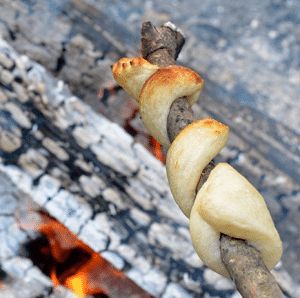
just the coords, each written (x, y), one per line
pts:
(226, 203)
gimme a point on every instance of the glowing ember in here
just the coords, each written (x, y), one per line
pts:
(77, 284)
(70, 262)
(54, 277)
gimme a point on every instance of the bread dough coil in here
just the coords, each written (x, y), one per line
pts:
(190, 152)
(160, 91)
(226, 203)
(131, 74)
(156, 89)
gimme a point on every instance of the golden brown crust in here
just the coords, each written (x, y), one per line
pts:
(160, 91)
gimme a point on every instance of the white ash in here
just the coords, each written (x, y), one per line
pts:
(175, 291)
(114, 258)
(27, 281)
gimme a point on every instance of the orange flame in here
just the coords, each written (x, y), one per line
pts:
(156, 149)
(54, 277)
(77, 284)
(89, 275)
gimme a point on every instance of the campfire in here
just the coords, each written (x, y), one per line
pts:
(71, 263)
(66, 259)
(106, 221)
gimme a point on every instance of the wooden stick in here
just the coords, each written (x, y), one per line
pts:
(161, 46)
(247, 269)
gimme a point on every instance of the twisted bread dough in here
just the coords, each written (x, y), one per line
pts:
(156, 89)
(190, 152)
(227, 203)
(131, 74)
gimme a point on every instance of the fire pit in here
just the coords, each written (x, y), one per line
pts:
(61, 158)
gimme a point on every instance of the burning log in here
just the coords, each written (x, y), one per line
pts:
(74, 264)
(91, 176)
